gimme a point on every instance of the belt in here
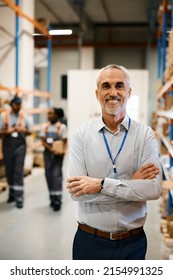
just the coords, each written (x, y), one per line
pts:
(111, 235)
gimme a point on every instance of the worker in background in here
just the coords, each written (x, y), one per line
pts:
(14, 126)
(61, 116)
(113, 170)
(54, 139)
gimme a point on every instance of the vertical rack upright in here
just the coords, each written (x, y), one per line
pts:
(165, 93)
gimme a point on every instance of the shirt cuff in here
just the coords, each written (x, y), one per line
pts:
(109, 186)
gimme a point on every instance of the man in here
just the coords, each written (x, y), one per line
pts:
(14, 128)
(113, 170)
(54, 131)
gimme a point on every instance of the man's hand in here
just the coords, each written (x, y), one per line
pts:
(148, 171)
(11, 129)
(81, 185)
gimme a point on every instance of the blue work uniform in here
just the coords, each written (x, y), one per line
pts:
(53, 163)
(14, 151)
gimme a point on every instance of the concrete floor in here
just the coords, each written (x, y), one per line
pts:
(37, 233)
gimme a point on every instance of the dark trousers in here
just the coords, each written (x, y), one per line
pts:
(14, 150)
(53, 173)
(87, 246)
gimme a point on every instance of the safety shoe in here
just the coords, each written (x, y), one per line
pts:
(19, 204)
(51, 203)
(56, 205)
(10, 199)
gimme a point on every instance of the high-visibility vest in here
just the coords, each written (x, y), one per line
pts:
(58, 127)
(6, 119)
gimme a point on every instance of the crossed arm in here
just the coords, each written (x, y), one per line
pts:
(81, 185)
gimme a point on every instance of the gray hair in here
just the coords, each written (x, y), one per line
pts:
(114, 66)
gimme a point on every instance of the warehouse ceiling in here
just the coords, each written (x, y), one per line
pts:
(100, 23)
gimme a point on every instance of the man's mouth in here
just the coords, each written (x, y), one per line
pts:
(113, 100)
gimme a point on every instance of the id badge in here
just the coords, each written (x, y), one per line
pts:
(14, 134)
(49, 140)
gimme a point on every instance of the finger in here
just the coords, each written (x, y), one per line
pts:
(68, 186)
(144, 167)
(73, 184)
(150, 169)
(76, 194)
(74, 189)
(151, 175)
(72, 179)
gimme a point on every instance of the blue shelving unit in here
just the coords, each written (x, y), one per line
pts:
(167, 88)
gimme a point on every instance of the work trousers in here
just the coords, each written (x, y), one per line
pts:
(14, 150)
(88, 246)
(53, 173)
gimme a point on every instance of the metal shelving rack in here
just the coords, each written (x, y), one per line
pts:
(16, 90)
(19, 13)
(165, 90)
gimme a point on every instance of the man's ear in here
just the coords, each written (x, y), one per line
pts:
(130, 92)
(96, 93)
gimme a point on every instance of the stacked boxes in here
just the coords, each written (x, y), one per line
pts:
(166, 224)
(169, 69)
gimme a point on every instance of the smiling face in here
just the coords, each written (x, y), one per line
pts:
(113, 92)
(52, 116)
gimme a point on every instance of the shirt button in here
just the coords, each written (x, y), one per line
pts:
(108, 189)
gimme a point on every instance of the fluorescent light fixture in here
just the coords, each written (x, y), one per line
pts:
(37, 34)
(60, 32)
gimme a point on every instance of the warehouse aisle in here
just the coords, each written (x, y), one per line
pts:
(37, 233)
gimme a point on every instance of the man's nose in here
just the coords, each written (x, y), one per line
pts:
(113, 91)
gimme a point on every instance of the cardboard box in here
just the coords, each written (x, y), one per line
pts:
(38, 159)
(170, 228)
(1, 153)
(165, 128)
(58, 146)
(168, 102)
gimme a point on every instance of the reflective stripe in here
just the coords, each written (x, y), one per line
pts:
(6, 118)
(58, 128)
(55, 192)
(17, 188)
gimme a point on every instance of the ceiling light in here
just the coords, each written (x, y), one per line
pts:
(37, 34)
(60, 32)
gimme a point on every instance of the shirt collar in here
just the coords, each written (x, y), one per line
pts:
(124, 123)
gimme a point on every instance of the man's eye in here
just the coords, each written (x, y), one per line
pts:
(105, 86)
(119, 86)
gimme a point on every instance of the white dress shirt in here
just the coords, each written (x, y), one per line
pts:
(121, 205)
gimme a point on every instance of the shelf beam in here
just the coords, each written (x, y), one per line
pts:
(166, 142)
(18, 10)
(39, 93)
(165, 88)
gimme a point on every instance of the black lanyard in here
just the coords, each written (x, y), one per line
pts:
(120, 148)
